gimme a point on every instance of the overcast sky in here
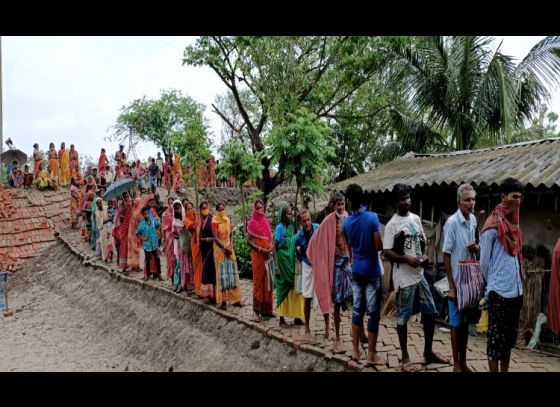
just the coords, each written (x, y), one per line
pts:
(71, 88)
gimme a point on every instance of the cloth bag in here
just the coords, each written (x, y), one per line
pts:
(228, 275)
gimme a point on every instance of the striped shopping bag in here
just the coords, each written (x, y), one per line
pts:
(228, 274)
(470, 287)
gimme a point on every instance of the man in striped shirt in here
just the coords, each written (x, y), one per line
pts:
(500, 261)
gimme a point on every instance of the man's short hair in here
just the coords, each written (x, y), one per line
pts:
(337, 197)
(510, 185)
(304, 211)
(355, 194)
(35, 145)
(145, 209)
(153, 160)
(462, 188)
(400, 190)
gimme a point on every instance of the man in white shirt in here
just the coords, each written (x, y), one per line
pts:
(404, 244)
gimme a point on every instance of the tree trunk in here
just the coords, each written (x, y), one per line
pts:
(244, 217)
(267, 184)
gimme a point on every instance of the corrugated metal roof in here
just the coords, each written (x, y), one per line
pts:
(533, 163)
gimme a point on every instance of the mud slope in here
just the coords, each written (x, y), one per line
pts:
(71, 317)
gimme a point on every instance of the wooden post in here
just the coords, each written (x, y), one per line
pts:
(432, 217)
(420, 210)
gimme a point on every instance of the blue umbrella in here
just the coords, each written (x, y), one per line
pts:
(118, 188)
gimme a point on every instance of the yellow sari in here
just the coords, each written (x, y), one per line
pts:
(42, 180)
(222, 225)
(64, 168)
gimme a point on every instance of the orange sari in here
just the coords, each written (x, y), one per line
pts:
(191, 222)
(222, 225)
(64, 167)
(53, 162)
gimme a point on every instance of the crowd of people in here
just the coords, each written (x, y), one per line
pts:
(331, 266)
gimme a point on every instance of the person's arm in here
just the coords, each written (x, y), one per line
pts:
(390, 254)
(448, 245)
(424, 260)
(486, 244)
(252, 244)
(377, 241)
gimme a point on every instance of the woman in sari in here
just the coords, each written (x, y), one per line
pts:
(167, 231)
(116, 230)
(177, 177)
(102, 163)
(123, 232)
(223, 250)
(53, 163)
(42, 180)
(73, 156)
(289, 303)
(206, 239)
(74, 203)
(182, 269)
(64, 159)
(189, 283)
(260, 241)
(134, 242)
(192, 222)
(100, 221)
(167, 174)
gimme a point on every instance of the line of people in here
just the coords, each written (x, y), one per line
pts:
(333, 265)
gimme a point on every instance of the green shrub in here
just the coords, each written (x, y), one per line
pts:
(243, 255)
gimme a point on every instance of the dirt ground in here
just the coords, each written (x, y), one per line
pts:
(69, 317)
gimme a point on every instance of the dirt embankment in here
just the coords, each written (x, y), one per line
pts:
(71, 317)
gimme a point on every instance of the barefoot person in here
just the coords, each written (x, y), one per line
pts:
(332, 274)
(459, 231)
(288, 302)
(303, 236)
(361, 230)
(259, 239)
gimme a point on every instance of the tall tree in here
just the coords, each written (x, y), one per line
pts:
(270, 77)
(163, 121)
(464, 88)
(238, 163)
(301, 149)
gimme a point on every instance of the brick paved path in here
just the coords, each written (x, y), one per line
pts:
(388, 344)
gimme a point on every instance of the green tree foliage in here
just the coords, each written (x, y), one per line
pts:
(301, 149)
(237, 162)
(170, 122)
(270, 77)
(464, 89)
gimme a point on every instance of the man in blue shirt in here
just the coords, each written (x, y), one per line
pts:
(460, 240)
(147, 230)
(301, 240)
(500, 251)
(362, 231)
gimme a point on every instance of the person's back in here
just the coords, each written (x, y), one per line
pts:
(153, 169)
(359, 228)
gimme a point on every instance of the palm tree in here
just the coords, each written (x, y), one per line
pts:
(461, 89)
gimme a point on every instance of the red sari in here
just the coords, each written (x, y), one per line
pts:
(123, 235)
(259, 229)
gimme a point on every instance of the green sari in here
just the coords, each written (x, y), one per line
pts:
(285, 255)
